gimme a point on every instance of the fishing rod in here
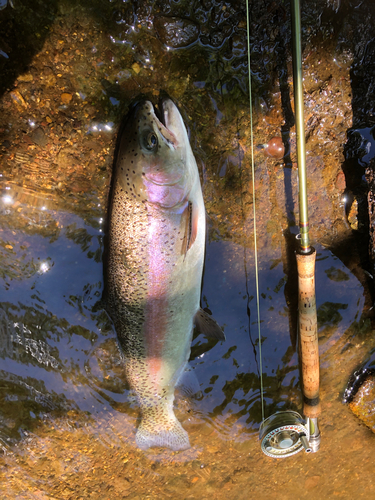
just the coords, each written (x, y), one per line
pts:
(286, 432)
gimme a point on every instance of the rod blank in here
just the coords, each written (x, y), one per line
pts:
(300, 125)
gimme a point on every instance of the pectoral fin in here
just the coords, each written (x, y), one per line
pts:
(190, 219)
(208, 326)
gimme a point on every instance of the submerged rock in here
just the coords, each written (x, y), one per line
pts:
(275, 148)
(363, 403)
(175, 32)
(39, 137)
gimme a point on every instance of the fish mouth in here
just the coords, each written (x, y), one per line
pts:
(170, 123)
(172, 120)
(167, 119)
(163, 123)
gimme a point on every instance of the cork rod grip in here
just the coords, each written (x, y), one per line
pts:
(308, 333)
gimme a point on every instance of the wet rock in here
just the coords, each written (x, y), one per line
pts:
(238, 44)
(26, 77)
(356, 210)
(48, 77)
(18, 99)
(340, 182)
(218, 36)
(80, 185)
(275, 148)
(66, 97)
(370, 178)
(39, 137)
(65, 159)
(136, 68)
(363, 403)
(175, 32)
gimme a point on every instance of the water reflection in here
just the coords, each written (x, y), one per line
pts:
(53, 342)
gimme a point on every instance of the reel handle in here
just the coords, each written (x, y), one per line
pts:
(308, 333)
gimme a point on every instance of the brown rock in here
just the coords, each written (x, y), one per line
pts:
(18, 99)
(363, 404)
(26, 77)
(39, 137)
(340, 182)
(66, 97)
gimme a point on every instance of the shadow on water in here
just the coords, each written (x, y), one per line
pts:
(23, 31)
(359, 147)
(288, 253)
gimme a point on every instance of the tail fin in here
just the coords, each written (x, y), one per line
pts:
(151, 433)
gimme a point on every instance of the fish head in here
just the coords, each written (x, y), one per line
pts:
(155, 162)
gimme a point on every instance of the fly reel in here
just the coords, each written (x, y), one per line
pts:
(286, 433)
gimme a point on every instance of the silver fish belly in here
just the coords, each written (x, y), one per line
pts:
(156, 242)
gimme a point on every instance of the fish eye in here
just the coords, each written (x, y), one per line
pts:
(150, 141)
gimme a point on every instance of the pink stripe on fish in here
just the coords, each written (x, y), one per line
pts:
(157, 302)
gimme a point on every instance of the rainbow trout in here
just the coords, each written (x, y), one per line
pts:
(156, 241)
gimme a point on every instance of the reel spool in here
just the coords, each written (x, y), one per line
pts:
(284, 434)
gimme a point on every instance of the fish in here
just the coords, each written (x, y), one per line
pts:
(154, 264)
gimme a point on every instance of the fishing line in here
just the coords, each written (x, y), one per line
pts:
(254, 208)
(249, 297)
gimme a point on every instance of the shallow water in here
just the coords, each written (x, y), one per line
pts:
(67, 417)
